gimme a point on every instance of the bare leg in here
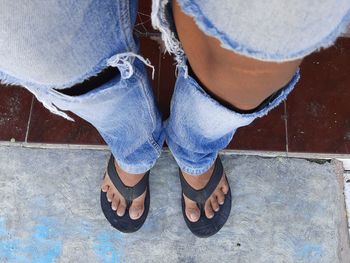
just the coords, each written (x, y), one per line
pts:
(237, 80)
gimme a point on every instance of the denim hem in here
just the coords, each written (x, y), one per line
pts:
(192, 9)
(135, 169)
(156, 145)
(142, 168)
(195, 171)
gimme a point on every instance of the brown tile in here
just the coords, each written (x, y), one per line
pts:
(264, 134)
(46, 127)
(150, 50)
(166, 83)
(15, 103)
(318, 108)
(143, 25)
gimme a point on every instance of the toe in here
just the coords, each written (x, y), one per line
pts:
(224, 187)
(191, 210)
(220, 196)
(115, 203)
(214, 204)
(209, 213)
(104, 185)
(137, 207)
(121, 208)
(110, 195)
(105, 188)
(136, 211)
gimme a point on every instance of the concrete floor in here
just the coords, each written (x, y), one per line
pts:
(283, 210)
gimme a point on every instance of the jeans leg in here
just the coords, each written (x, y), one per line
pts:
(199, 126)
(125, 113)
(53, 45)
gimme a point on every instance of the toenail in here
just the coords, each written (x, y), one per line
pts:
(113, 208)
(217, 209)
(193, 216)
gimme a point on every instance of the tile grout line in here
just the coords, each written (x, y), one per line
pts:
(286, 125)
(29, 119)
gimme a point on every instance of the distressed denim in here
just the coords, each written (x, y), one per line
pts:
(46, 46)
(280, 30)
(275, 30)
(199, 126)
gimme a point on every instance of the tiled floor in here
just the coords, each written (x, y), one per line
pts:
(315, 117)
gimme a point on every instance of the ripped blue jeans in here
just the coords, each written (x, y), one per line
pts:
(48, 46)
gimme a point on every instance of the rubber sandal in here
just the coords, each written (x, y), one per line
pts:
(206, 227)
(125, 223)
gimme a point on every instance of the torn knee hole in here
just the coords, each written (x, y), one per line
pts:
(88, 85)
(119, 65)
(225, 103)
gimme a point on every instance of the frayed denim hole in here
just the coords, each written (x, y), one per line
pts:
(272, 104)
(225, 103)
(112, 79)
(92, 83)
(193, 9)
(284, 92)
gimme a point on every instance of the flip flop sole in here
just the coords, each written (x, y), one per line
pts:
(124, 223)
(206, 227)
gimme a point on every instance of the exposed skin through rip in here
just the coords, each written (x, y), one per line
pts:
(241, 81)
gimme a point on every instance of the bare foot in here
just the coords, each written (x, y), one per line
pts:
(118, 202)
(214, 201)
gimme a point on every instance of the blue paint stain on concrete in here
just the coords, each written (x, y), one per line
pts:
(105, 247)
(44, 242)
(8, 246)
(46, 245)
(309, 252)
(42, 246)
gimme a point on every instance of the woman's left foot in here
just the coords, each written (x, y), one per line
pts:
(213, 203)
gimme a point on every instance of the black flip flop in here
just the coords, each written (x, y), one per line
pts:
(125, 223)
(206, 227)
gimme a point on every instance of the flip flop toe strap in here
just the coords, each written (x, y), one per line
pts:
(200, 196)
(129, 193)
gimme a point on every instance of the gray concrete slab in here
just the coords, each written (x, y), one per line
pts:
(284, 210)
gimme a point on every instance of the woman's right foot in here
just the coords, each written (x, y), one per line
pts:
(118, 201)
